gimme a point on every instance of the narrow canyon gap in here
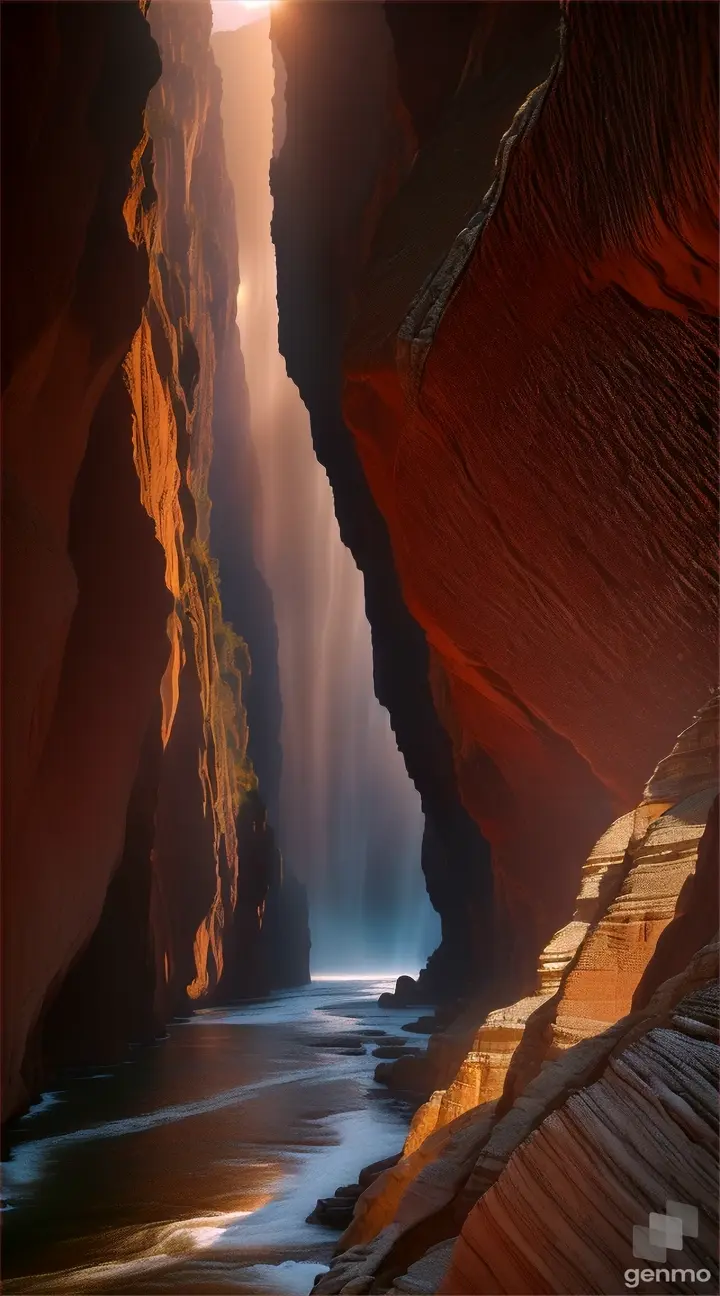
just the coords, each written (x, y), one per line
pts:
(359, 617)
(347, 814)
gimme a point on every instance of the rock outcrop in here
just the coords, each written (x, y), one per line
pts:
(601, 1146)
(651, 880)
(126, 770)
(547, 621)
(555, 362)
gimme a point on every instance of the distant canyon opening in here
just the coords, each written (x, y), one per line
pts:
(347, 815)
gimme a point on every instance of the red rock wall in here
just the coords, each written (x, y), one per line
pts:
(124, 731)
(366, 84)
(651, 881)
(542, 447)
(84, 601)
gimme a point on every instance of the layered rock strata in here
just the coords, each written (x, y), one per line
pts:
(434, 1195)
(601, 1147)
(558, 360)
(651, 880)
(587, 974)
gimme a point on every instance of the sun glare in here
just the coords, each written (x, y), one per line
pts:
(359, 976)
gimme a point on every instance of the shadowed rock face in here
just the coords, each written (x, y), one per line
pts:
(84, 641)
(520, 427)
(126, 762)
(554, 365)
(330, 184)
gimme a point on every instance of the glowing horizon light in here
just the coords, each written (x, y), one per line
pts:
(229, 15)
(361, 976)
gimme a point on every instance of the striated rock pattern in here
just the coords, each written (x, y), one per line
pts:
(559, 359)
(601, 984)
(129, 793)
(464, 1160)
(591, 972)
(652, 884)
(597, 1161)
(482, 1074)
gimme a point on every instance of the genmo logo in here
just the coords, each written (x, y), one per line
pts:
(633, 1277)
(661, 1234)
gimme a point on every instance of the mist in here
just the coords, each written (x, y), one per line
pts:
(350, 822)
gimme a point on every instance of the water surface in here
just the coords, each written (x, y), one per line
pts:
(192, 1167)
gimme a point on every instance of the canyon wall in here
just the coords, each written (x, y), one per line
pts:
(530, 369)
(601, 1087)
(519, 613)
(137, 858)
(557, 361)
(348, 140)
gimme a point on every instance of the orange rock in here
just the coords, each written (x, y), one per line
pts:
(560, 1216)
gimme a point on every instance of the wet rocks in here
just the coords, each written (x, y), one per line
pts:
(336, 1212)
(337, 1042)
(371, 1172)
(395, 1051)
(410, 1073)
(332, 1212)
(408, 993)
(423, 1026)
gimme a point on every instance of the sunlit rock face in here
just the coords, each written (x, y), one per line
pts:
(127, 773)
(622, 1094)
(349, 140)
(349, 821)
(519, 427)
(558, 362)
(650, 867)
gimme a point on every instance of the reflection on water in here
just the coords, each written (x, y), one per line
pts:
(192, 1168)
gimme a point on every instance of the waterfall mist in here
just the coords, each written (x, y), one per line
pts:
(350, 822)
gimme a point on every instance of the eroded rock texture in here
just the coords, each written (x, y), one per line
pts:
(537, 429)
(559, 361)
(129, 793)
(601, 1146)
(643, 937)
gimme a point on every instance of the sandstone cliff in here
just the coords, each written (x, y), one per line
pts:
(529, 373)
(593, 1045)
(131, 807)
(497, 445)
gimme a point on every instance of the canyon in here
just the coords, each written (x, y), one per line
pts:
(359, 392)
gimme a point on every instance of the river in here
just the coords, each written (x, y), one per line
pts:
(192, 1166)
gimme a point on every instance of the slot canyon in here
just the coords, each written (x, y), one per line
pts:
(360, 692)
